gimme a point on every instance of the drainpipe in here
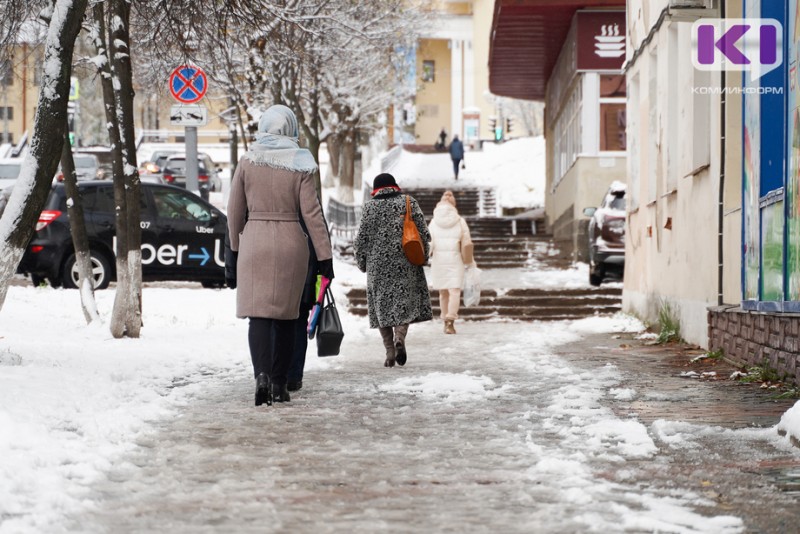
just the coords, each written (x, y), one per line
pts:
(721, 200)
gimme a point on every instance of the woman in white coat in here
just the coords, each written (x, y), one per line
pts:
(451, 250)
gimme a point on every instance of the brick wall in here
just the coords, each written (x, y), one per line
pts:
(750, 338)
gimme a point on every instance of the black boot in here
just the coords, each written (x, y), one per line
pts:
(400, 344)
(294, 386)
(263, 390)
(280, 393)
(402, 356)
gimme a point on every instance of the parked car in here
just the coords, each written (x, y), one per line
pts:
(607, 236)
(182, 237)
(174, 172)
(87, 167)
(9, 172)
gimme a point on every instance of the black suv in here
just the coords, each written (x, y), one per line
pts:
(183, 237)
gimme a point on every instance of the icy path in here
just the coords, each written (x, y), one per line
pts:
(483, 430)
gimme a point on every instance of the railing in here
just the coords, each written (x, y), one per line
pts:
(389, 160)
(343, 219)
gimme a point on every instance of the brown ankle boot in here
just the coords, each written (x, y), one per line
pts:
(388, 343)
(448, 327)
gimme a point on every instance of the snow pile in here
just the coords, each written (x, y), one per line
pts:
(446, 386)
(515, 168)
(790, 422)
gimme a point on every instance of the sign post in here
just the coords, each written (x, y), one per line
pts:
(188, 84)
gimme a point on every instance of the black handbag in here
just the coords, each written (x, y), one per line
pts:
(329, 328)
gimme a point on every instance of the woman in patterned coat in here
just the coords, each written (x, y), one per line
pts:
(397, 292)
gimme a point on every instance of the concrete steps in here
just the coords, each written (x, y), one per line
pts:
(528, 304)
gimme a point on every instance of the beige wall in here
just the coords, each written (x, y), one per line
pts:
(673, 189)
(433, 98)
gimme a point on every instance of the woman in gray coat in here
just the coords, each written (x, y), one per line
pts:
(272, 187)
(397, 292)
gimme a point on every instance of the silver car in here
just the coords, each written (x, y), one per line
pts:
(9, 172)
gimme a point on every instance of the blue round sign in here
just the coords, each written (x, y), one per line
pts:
(188, 84)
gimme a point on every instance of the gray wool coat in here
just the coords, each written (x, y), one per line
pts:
(263, 221)
(397, 291)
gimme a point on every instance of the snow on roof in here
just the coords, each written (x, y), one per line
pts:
(617, 187)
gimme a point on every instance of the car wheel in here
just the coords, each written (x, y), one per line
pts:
(101, 271)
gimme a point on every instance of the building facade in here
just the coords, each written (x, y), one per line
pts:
(676, 185)
(572, 60)
(450, 77)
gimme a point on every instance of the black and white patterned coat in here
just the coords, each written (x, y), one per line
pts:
(397, 291)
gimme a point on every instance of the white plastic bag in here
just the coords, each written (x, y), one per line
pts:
(472, 286)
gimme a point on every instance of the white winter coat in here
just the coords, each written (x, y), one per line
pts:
(449, 234)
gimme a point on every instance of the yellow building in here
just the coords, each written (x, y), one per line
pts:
(451, 77)
(19, 91)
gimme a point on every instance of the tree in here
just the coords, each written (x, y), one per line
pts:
(33, 185)
(77, 227)
(110, 33)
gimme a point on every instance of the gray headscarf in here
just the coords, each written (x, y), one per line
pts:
(277, 142)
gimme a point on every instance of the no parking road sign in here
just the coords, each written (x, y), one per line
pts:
(188, 84)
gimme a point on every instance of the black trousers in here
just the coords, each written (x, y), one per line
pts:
(271, 347)
(456, 163)
(300, 344)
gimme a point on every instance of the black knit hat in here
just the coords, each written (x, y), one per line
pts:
(384, 180)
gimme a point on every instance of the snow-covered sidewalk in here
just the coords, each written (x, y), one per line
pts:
(486, 428)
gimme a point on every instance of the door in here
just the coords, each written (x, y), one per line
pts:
(190, 236)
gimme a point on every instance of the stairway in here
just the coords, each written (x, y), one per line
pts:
(528, 304)
(471, 201)
(500, 242)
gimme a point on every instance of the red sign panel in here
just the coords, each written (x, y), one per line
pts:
(188, 84)
(600, 40)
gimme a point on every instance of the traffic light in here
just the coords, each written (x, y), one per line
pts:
(492, 124)
(509, 124)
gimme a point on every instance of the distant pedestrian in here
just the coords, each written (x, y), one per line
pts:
(442, 143)
(456, 154)
(451, 250)
(273, 185)
(397, 291)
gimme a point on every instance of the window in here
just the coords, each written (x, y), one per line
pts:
(180, 205)
(634, 165)
(653, 127)
(37, 72)
(428, 70)
(613, 115)
(673, 118)
(567, 134)
(7, 113)
(6, 73)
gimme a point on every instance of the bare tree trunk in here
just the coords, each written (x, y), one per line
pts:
(334, 149)
(118, 98)
(348, 167)
(117, 324)
(77, 228)
(122, 73)
(33, 185)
